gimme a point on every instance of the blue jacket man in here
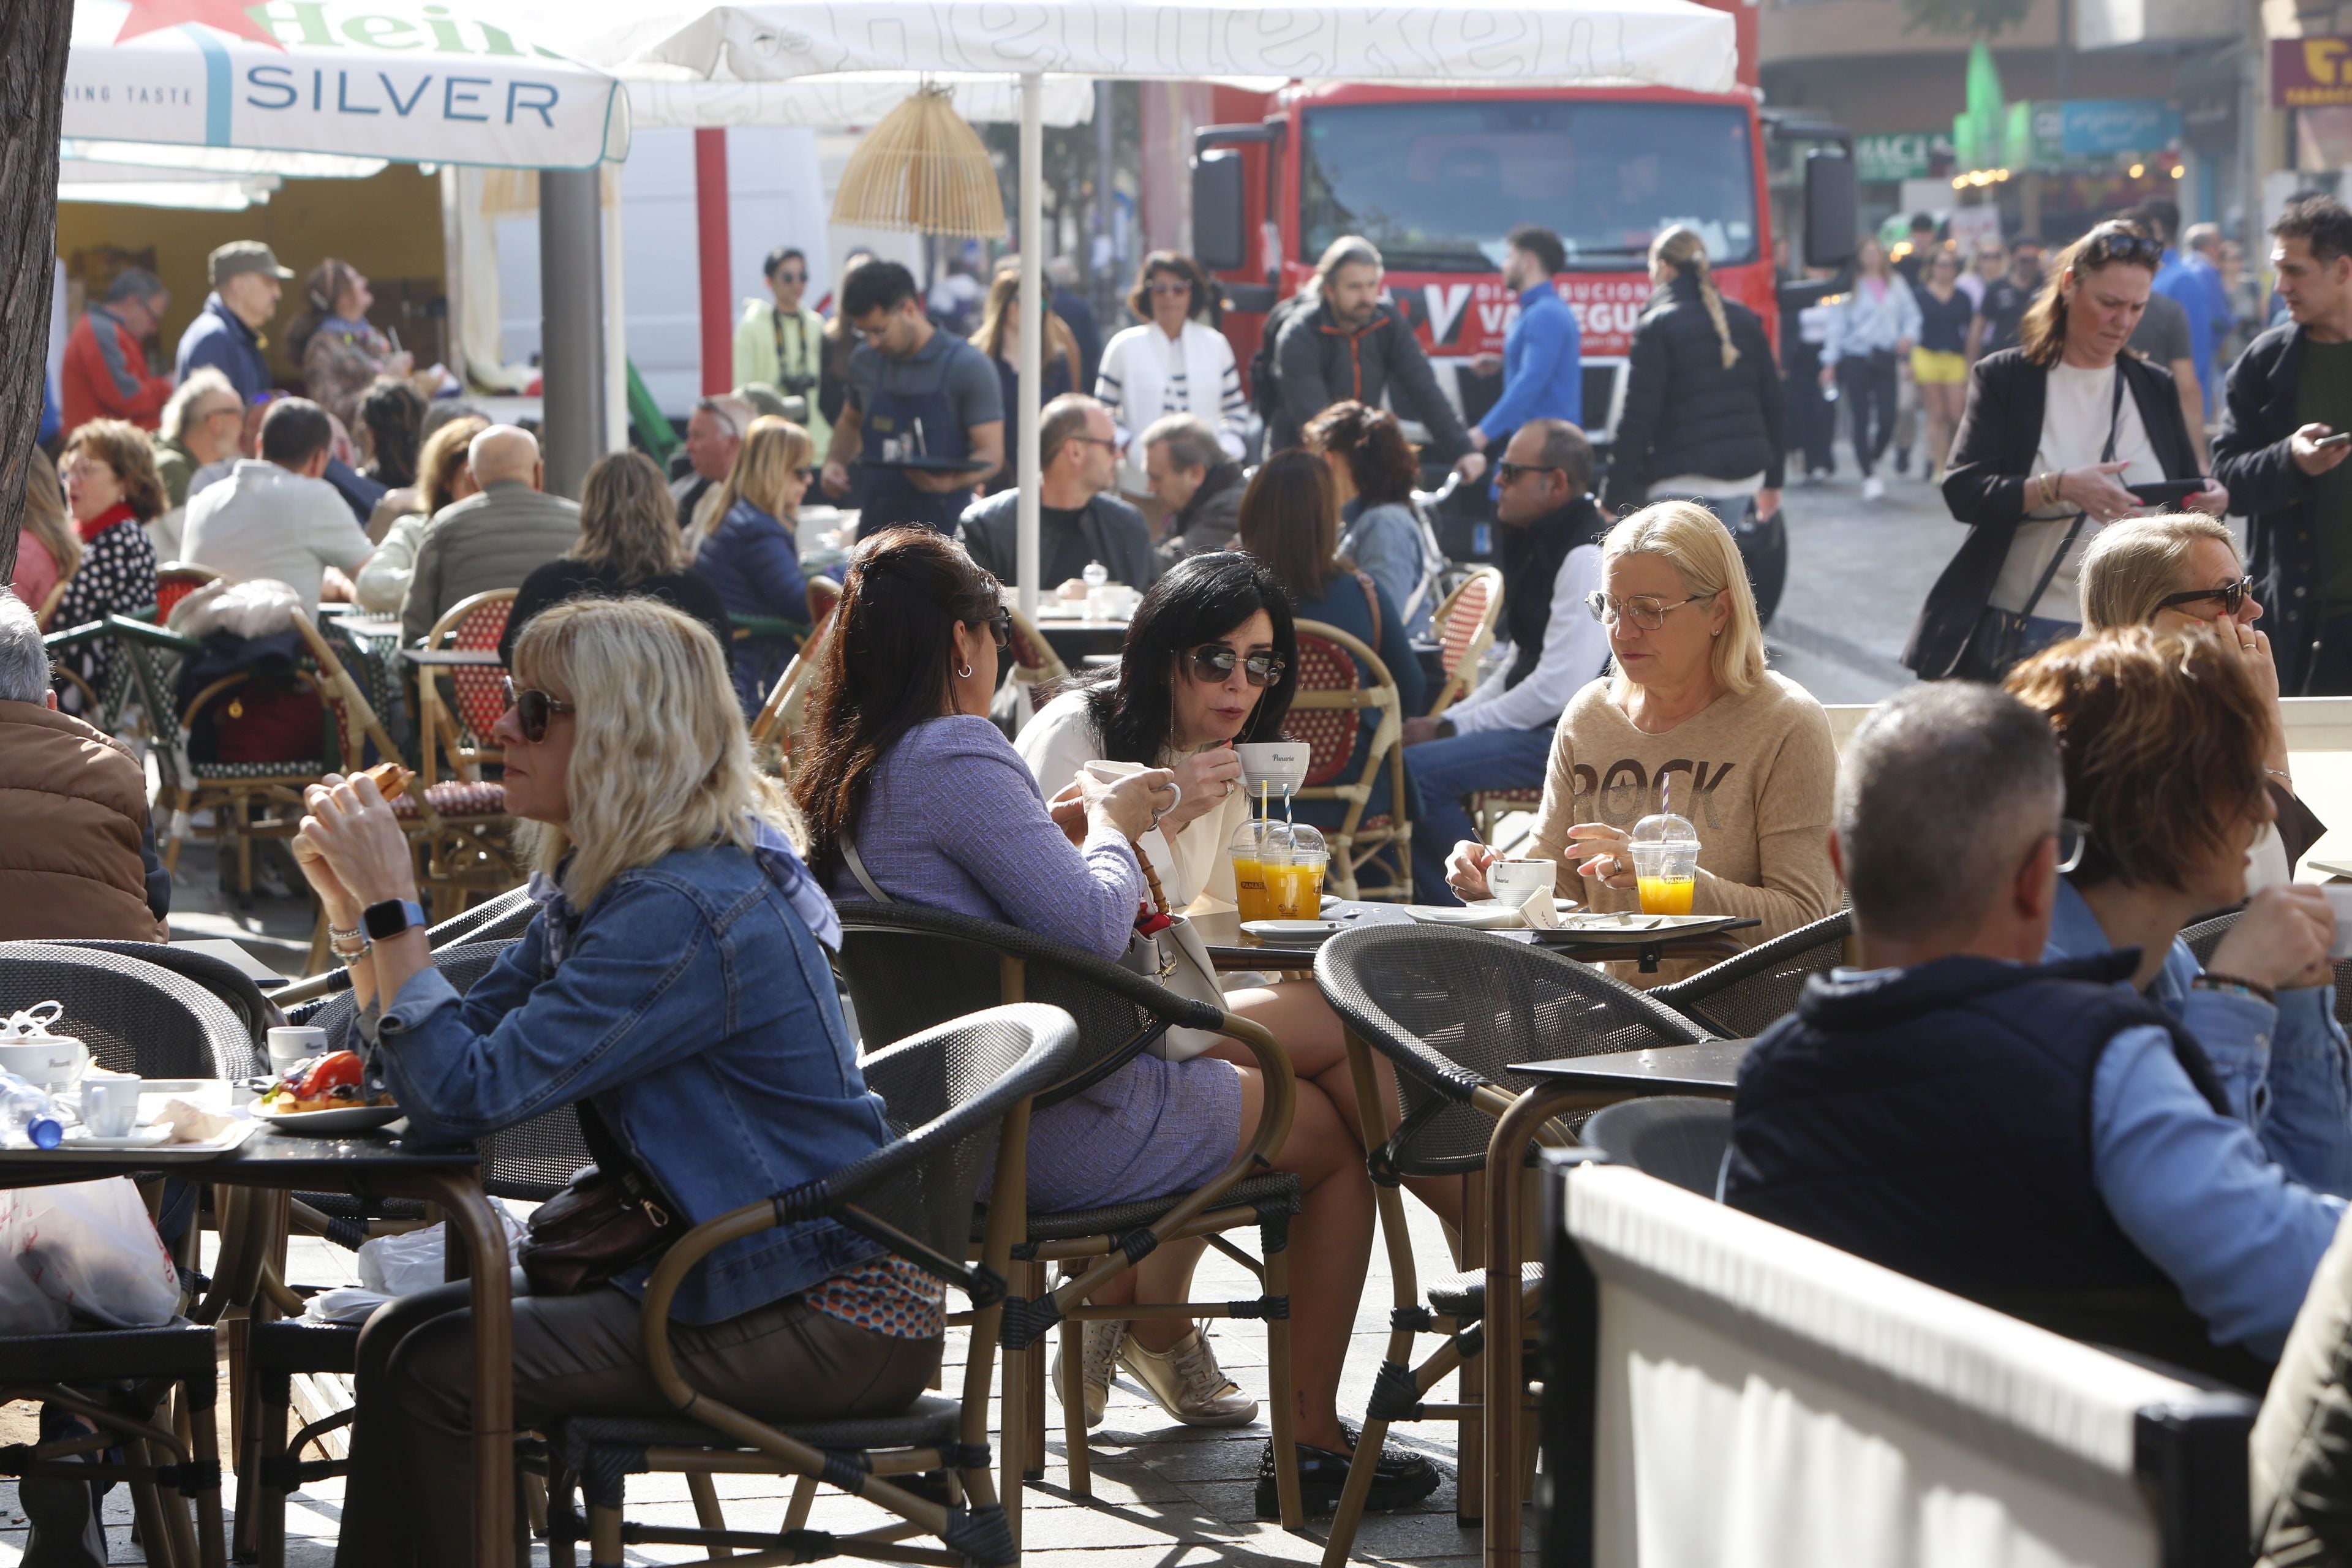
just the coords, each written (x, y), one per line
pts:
(247, 284)
(1543, 356)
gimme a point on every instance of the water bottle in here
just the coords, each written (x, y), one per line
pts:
(29, 1119)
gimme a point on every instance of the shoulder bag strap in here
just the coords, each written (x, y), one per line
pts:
(2075, 529)
(858, 870)
(615, 1161)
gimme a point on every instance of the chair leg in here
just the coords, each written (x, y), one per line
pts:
(1013, 1406)
(1074, 1408)
(272, 1399)
(1290, 1505)
(204, 1446)
(706, 1511)
(604, 1536)
(147, 1509)
(1032, 1391)
(797, 1513)
(1470, 1381)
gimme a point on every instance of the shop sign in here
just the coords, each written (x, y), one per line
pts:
(2102, 127)
(2310, 73)
(1898, 155)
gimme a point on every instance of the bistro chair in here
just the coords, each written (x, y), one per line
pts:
(497, 919)
(1678, 1138)
(1451, 1010)
(966, 964)
(1035, 665)
(1741, 997)
(958, 1096)
(1342, 684)
(174, 581)
(136, 1015)
(225, 980)
(99, 710)
(786, 707)
(2206, 935)
(454, 727)
(1463, 627)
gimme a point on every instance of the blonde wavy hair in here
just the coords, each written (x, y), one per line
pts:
(1707, 559)
(2132, 565)
(1682, 250)
(661, 759)
(773, 449)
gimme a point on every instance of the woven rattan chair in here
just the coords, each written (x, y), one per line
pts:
(1741, 997)
(457, 704)
(1342, 684)
(1451, 1010)
(1465, 628)
(1678, 1138)
(905, 968)
(959, 1098)
(174, 581)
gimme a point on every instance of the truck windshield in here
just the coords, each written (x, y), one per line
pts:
(1437, 185)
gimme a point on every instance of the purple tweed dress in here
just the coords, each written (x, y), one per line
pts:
(954, 820)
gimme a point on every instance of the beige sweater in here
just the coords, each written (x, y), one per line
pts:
(1753, 773)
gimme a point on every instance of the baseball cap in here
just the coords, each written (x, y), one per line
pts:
(243, 255)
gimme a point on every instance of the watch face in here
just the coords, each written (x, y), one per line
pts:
(391, 918)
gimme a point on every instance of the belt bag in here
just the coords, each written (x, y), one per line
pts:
(606, 1220)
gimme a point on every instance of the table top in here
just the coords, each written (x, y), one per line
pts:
(370, 625)
(1229, 948)
(1709, 1068)
(267, 1158)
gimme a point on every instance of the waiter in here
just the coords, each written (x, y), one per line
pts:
(924, 410)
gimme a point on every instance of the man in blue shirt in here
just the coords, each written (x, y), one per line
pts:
(2182, 279)
(247, 284)
(1543, 361)
(2027, 1134)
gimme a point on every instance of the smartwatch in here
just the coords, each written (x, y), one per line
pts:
(389, 919)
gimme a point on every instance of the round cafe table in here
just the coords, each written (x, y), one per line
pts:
(1231, 948)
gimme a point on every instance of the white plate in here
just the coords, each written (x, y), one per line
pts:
(139, 1138)
(338, 1124)
(1291, 934)
(1486, 914)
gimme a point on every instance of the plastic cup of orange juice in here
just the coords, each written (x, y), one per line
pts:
(1251, 899)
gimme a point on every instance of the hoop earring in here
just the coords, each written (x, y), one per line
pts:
(964, 674)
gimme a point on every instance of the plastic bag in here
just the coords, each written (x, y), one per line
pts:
(411, 1261)
(90, 1251)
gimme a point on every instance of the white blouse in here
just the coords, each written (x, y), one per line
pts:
(1146, 374)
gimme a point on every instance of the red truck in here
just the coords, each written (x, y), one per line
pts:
(1436, 178)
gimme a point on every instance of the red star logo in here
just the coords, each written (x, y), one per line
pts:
(231, 17)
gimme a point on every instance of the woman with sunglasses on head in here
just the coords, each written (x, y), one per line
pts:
(1175, 362)
(1689, 720)
(628, 545)
(675, 987)
(2052, 433)
(2162, 733)
(753, 555)
(2180, 571)
(910, 795)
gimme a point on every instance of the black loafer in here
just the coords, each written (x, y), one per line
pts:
(1400, 1479)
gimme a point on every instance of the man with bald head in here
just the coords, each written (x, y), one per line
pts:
(491, 540)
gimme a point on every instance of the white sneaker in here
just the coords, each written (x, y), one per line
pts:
(1189, 1383)
(1103, 1340)
(1873, 489)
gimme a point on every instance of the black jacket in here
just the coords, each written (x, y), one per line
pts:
(1688, 413)
(2251, 459)
(1319, 362)
(1992, 458)
(1116, 533)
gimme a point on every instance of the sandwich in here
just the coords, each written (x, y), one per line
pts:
(391, 779)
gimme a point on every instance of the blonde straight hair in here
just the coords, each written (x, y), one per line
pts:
(660, 761)
(1682, 249)
(2132, 565)
(772, 449)
(1708, 558)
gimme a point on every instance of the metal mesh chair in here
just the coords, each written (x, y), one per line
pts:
(1451, 1010)
(1678, 1138)
(135, 1015)
(965, 964)
(223, 979)
(498, 920)
(2206, 935)
(1741, 997)
(959, 1098)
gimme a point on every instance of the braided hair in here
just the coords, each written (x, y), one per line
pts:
(1682, 249)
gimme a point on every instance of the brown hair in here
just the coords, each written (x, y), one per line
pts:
(124, 447)
(1290, 520)
(443, 455)
(628, 523)
(2133, 565)
(2162, 735)
(2042, 331)
(1004, 291)
(1138, 299)
(1372, 443)
(47, 519)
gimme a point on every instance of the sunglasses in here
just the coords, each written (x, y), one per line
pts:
(2105, 245)
(792, 277)
(2231, 595)
(532, 709)
(1000, 626)
(1510, 473)
(2074, 837)
(1163, 286)
(1213, 662)
(1647, 612)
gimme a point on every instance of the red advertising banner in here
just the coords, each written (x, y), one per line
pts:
(2310, 73)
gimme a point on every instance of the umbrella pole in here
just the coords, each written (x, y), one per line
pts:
(1033, 327)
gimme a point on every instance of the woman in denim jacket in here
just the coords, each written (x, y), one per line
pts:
(677, 979)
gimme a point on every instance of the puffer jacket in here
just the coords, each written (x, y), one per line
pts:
(76, 805)
(1688, 413)
(1319, 362)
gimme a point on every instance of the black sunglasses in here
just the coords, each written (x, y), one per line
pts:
(2105, 245)
(792, 277)
(1000, 626)
(1214, 661)
(532, 709)
(1508, 473)
(2231, 595)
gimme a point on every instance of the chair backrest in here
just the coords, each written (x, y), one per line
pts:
(500, 918)
(1465, 629)
(966, 965)
(461, 966)
(1034, 662)
(780, 716)
(1741, 997)
(48, 607)
(1342, 683)
(133, 1014)
(2206, 935)
(223, 979)
(531, 1162)
(1677, 1138)
(820, 594)
(476, 693)
(174, 581)
(1453, 1008)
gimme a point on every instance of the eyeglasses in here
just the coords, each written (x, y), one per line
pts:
(2106, 243)
(1648, 611)
(1510, 473)
(2074, 837)
(1163, 286)
(792, 277)
(1000, 626)
(532, 710)
(1214, 661)
(2231, 595)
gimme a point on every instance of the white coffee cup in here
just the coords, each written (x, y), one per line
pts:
(1514, 881)
(110, 1103)
(293, 1043)
(1279, 766)
(54, 1062)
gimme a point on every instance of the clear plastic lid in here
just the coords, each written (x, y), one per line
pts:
(1665, 827)
(1279, 839)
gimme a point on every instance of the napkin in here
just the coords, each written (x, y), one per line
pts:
(192, 1123)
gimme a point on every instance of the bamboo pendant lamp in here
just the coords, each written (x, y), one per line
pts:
(923, 169)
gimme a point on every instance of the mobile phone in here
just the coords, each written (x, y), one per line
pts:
(2165, 492)
(2329, 443)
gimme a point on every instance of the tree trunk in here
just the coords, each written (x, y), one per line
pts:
(33, 37)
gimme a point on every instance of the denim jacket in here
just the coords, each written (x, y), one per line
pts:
(697, 1011)
(2287, 1069)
